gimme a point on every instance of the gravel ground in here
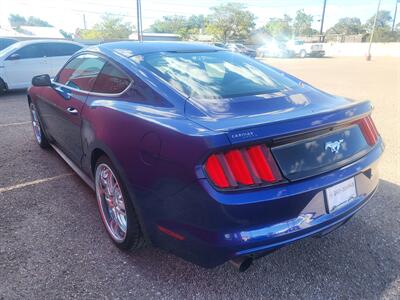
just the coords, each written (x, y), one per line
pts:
(53, 245)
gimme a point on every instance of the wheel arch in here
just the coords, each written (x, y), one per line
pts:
(5, 89)
(99, 149)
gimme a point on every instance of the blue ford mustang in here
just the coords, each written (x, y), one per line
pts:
(209, 154)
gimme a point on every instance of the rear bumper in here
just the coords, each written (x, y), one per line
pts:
(317, 53)
(219, 226)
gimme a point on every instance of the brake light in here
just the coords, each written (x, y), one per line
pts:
(243, 167)
(369, 130)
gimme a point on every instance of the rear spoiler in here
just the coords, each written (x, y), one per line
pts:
(301, 124)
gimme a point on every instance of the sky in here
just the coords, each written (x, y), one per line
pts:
(69, 14)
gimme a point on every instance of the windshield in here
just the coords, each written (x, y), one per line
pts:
(217, 74)
(8, 49)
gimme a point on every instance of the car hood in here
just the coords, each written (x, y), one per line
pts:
(259, 110)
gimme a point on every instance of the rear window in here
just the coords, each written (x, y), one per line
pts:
(211, 75)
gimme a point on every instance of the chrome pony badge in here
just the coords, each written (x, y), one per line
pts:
(334, 146)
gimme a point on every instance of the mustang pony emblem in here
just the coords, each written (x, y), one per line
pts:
(334, 146)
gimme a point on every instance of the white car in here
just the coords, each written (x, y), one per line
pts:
(23, 60)
(301, 49)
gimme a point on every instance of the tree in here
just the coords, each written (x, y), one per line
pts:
(302, 24)
(170, 24)
(17, 21)
(347, 26)
(185, 27)
(33, 21)
(230, 21)
(66, 35)
(383, 31)
(279, 28)
(110, 27)
(383, 21)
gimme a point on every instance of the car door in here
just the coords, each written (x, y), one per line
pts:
(24, 63)
(61, 107)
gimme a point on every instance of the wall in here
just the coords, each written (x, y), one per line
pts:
(361, 49)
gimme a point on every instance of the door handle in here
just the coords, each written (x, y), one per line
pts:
(72, 111)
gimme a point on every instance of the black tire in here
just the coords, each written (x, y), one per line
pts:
(38, 132)
(133, 238)
(3, 87)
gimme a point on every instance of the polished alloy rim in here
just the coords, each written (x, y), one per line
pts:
(36, 125)
(111, 202)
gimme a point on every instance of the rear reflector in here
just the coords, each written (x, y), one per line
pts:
(369, 130)
(242, 167)
(171, 233)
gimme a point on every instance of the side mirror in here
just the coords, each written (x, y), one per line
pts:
(14, 56)
(41, 80)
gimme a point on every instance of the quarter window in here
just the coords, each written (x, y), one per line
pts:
(111, 80)
(81, 72)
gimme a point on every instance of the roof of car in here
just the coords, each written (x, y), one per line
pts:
(29, 42)
(131, 48)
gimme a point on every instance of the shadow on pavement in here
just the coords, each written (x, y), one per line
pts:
(360, 258)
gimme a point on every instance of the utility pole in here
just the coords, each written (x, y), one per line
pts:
(373, 31)
(84, 22)
(394, 16)
(321, 38)
(139, 20)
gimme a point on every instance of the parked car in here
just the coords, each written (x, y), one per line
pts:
(5, 42)
(211, 155)
(220, 45)
(301, 49)
(23, 60)
(240, 48)
(274, 49)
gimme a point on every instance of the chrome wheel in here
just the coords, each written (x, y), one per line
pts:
(36, 125)
(111, 202)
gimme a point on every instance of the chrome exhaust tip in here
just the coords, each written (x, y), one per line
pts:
(242, 263)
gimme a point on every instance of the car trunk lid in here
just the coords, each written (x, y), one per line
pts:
(308, 133)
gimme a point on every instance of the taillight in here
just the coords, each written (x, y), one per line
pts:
(369, 130)
(248, 166)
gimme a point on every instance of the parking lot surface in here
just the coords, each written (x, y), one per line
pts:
(53, 245)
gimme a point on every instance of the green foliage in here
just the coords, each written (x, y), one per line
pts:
(230, 21)
(110, 27)
(279, 28)
(302, 24)
(347, 26)
(18, 21)
(383, 21)
(384, 35)
(185, 27)
(66, 35)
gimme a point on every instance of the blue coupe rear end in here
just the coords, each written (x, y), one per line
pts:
(270, 166)
(204, 152)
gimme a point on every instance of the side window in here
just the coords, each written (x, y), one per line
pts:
(61, 49)
(81, 72)
(111, 80)
(30, 51)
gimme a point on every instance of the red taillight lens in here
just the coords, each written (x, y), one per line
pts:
(215, 172)
(245, 166)
(369, 130)
(239, 168)
(263, 162)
